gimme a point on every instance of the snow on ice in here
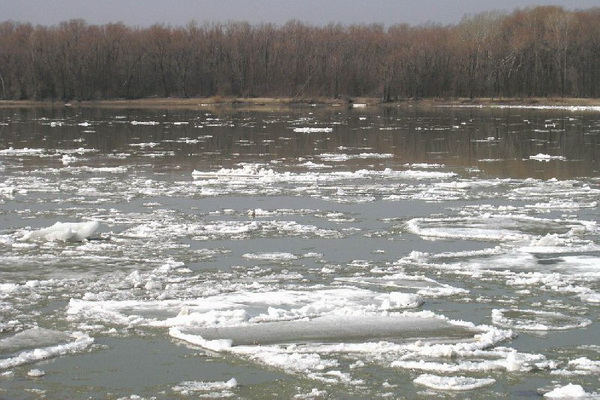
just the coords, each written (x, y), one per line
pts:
(64, 232)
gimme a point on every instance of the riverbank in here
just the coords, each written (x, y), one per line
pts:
(275, 103)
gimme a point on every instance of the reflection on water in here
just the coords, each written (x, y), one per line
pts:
(504, 143)
(305, 253)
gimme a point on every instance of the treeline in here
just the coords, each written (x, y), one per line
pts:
(537, 52)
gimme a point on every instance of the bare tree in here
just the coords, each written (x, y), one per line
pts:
(541, 51)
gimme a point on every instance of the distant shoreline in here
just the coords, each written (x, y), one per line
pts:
(282, 103)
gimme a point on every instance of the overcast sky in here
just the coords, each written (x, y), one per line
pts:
(316, 12)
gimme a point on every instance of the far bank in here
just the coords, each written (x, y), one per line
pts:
(283, 103)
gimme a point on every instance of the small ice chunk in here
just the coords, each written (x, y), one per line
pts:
(569, 391)
(585, 364)
(312, 130)
(21, 152)
(402, 300)
(145, 123)
(7, 190)
(452, 382)
(314, 394)
(217, 345)
(184, 311)
(64, 231)
(153, 285)
(545, 157)
(550, 240)
(189, 387)
(275, 256)
(68, 159)
(36, 373)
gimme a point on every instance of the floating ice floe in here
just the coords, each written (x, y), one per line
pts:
(6, 190)
(64, 232)
(35, 337)
(496, 228)
(68, 159)
(312, 130)
(144, 145)
(190, 387)
(422, 285)
(38, 344)
(145, 123)
(402, 300)
(36, 373)
(300, 331)
(335, 157)
(526, 107)
(563, 205)
(258, 174)
(534, 320)
(580, 366)
(276, 256)
(452, 382)
(246, 171)
(546, 157)
(86, 169)
(585, 364)
(312, 165)
(21, 152)
(325, 329)
(570, 391)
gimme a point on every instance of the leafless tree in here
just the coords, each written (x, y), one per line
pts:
(541, 51)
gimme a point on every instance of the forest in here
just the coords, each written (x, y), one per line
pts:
(535, 52)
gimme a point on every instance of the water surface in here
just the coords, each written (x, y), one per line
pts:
(307, 253)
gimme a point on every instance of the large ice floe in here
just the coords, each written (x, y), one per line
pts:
(301, 331)
(535, 320)
(328, 329)
(38, 344)
(256, 173)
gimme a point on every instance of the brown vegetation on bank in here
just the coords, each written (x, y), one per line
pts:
(544, 52)
(271, 104)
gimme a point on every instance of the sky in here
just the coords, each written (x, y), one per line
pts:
(315, 12)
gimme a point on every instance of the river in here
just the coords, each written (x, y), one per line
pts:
(306, 253)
